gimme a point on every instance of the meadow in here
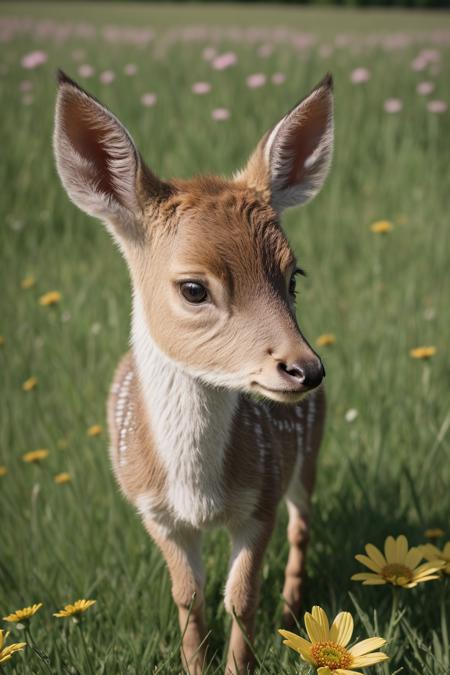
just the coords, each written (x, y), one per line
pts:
(197, 87)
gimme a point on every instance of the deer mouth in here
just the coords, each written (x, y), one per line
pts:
(282, 395)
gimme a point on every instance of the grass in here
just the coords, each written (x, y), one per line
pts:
(387, 472)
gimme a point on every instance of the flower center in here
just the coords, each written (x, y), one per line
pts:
(397, 574)
(331, 655)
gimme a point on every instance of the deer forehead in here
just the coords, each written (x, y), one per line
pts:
(224, 230)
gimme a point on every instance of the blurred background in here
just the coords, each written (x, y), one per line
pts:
(197, 85)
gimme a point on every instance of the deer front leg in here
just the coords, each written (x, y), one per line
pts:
(242, 591)
(182, 552)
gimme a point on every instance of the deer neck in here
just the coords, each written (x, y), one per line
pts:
(190, 423)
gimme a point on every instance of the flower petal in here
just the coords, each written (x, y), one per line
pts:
(370, 659)
(320, 616)
(342, 629)
(296, 642)
(376, 555)
(401, 548)
(315, 630)
(390, 549)
(366, 646)
(428, 567)
(368, 562)
(368, 578)
(413, 557)
(325, 671)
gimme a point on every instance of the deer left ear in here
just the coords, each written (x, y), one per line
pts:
(291, 162)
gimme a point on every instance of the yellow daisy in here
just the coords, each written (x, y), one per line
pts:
(94, 430)
(75, 609)
(35, 456)
(30, 384)
(398, 566)
(62, 477)
(422, 352)
(3, 470)
(24, 614)
(381, 227)
(434, 533)
(27, 282)
(327, 649)
(50, 298)
(7, 652)
(325, 340)
(432, 553)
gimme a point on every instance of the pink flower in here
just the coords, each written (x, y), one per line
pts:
(209, 53)
(148, 100)
(425, 88)
(419, 63)
(33, 59)
(278, 78)
(256, 80)
(437, 106)
(220, 114)
(130, 69)
(85, 70)
(201, 88)
(107, 77)
(265, 50)
(224, 61)
(26, 85)
(360, 75)
(393, 105)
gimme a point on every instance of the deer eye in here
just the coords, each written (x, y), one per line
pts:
(193, 292)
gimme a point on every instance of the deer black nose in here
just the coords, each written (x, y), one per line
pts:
(309, 374)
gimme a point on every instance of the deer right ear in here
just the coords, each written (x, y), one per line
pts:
(98, 162)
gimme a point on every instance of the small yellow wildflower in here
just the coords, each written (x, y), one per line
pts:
(27, 282)
(7, 652)
(325, 340)
(35, 456)
(422, 352)
(50, 298)
(434, 533)
(62, 478)
(75, 609)
(3, 470)
(94, 430)
(24, 614)
(381, 227)
(431, 552)
(327, 649)
(398, 565)
(30, 384)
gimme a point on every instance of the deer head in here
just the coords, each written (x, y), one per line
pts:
(212, 270)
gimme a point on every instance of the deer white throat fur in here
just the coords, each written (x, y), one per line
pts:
(216, 413)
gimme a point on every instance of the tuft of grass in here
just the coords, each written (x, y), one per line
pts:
(386, 472)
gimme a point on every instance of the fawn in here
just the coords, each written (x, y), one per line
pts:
(201, 433)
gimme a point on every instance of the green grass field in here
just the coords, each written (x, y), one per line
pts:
(386, 472)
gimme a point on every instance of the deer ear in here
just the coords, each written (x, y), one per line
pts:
(98, 162)
(291, 162)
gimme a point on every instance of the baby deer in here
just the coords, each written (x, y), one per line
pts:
(208, 417)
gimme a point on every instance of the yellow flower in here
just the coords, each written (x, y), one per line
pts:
(434, 533)
(3, 470)
(27, 282)
(77, 608)
(381, 227)
(7, 652)
(23, 614)
(94, 430)
(30, 384)
(432, 553)
(422, 352)
(398, 565)
(325, 340)
(35, 456)
(63, 477)
(50, 298)
(327, 649)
